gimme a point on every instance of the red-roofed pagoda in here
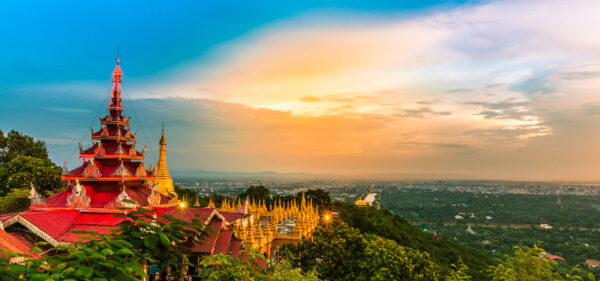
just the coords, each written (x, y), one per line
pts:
(112, 174)
(112, 170)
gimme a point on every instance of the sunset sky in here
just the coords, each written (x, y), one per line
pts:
(418, 89)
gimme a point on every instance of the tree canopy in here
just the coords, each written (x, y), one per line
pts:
(15, 144)
(340, 252)
(257, 193)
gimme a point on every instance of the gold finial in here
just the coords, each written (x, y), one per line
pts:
(211, 204)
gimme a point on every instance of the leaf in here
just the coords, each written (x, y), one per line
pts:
(150, 242)
(164, 240)
(84, 271)
(124, 251)
(107, 252)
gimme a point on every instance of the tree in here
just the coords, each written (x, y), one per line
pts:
(16, 144)
(225, 268)
(340, 252)
(16, 200)
(21, 171)
(98, 257)
(527, 263)
(458, 272)
(319, 197)
(256, 193)
(164, 241)
(386, 260)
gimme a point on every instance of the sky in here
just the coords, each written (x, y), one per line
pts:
(392, 89)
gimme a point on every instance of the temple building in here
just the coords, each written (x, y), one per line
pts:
(112, 174)
(165, 182)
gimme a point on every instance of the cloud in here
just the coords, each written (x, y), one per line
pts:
(457, 148)
(478, 89)
(458, 90)
(421, 112)
(310, 99)
(504, 110)
(70, 110)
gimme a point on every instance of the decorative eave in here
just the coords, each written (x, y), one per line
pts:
(108, 120)
(31, 227)
(104, 135)
(101, 153)
(86, 179)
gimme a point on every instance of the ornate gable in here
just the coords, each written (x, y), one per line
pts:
(92, 168)
(78, 197)
(122, 171)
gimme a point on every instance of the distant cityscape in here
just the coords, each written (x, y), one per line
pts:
(351, 190)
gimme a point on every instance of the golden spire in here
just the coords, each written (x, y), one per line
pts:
(165, 182)
(197, 204)
(210, 203)
(303, 202)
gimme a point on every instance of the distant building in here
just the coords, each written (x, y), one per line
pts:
(545, 226)
(553, 257)
(370, 198)
(470, 230)
(360, 203)
(458, 217)
(592, 263)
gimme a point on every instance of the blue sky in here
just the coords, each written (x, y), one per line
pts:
(464, 89)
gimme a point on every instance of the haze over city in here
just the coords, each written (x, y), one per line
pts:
(467, 90)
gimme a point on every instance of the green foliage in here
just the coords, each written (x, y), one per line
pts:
(525, 264)
(442, 251)
(100, 257)
(517, 209)
(16, 200)
(340, 252)
(23, 161)
(319, 197)
(225, 268)
(23, 170)
(255, 192)
(164, 241)
(458, 272)
(15, 144)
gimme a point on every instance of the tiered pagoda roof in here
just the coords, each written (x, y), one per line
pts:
(112, 168)
(112, 171)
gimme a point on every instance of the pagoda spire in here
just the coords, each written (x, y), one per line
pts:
(165, 182)
(115, 97)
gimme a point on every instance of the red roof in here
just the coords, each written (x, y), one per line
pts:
(222, 244)
(13, 244)
(232, 216)
(208, 245)
(102, 223)
(553, 257)
(102, 197)
(187, 214)
(52, 222)
(234, 247)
